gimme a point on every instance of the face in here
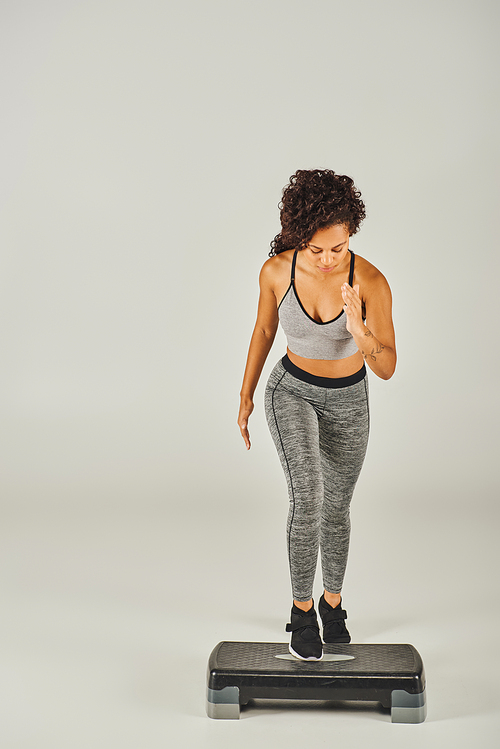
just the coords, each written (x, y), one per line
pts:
(327, 249)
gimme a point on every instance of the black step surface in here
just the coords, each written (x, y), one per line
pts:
(266, 669)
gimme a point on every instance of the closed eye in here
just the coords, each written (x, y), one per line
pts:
(320, 251)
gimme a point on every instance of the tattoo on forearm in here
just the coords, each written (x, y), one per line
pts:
(374, 352)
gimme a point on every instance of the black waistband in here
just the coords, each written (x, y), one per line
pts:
(324, 382)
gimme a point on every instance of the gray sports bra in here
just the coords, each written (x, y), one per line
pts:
(311, 339)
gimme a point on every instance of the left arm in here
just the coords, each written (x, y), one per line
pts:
(376, 339)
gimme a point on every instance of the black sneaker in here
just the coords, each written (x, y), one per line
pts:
(334, 629)
(305, 642)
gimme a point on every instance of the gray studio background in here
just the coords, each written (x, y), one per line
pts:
(144, 148)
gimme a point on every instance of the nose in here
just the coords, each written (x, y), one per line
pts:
(326, 260)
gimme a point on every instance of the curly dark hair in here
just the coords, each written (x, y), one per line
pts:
(316, 199)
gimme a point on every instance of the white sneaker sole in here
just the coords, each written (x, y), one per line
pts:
(301, 657)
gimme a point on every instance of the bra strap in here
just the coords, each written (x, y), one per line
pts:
(351, 269)
(292, 277)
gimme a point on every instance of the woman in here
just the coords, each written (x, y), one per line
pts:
(335, 310)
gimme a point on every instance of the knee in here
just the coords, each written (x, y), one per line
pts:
(336, 512)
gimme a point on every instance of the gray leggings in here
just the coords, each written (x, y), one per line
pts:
(320, 429)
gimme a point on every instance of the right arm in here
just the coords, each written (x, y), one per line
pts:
(260, 345)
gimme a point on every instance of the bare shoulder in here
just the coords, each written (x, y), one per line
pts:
(276, 270)
(370, 279)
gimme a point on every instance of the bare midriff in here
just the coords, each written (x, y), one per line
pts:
(328, 367)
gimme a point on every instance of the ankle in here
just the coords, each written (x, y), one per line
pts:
(303, 605)
(333, 599)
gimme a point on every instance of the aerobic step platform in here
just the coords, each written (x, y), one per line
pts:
(390, 674)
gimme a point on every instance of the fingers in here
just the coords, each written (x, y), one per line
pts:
(351, 297)
(352, 307)
(245, 434)
(246, 409)
(350, 293)
(243, 425)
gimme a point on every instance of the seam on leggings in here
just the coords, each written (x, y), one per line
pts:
(367, 403)
(288, 471)
(324, 405)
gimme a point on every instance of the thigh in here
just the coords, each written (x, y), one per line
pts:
(293, 423)
(343, 432)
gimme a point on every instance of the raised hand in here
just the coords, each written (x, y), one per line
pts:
(352, 308)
